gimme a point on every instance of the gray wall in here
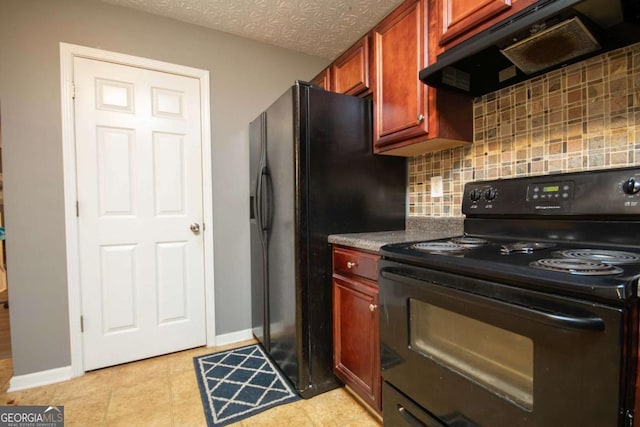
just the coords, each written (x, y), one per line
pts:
(245, 76)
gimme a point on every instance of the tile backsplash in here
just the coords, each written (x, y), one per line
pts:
(582, 117)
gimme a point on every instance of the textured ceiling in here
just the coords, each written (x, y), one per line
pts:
(323, 28)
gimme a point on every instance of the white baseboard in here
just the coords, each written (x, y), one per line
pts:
(233, 337)
(51, 376)
(21, 382)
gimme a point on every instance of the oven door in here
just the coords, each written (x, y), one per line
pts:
(475, 353)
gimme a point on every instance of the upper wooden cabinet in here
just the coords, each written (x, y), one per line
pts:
(323, 79)
(399, 98)
(350, 72)
(411, 118)
(460, 19)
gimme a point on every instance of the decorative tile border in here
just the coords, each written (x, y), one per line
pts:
(585, 116)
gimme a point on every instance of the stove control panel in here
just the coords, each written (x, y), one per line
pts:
(600, 192)
(550, 192)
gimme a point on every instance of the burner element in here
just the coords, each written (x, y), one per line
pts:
(470, 242)
(576, 266)
(524, 247)
(601, 255)
(439, 247)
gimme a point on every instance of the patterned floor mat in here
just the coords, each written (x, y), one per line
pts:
(235, 384)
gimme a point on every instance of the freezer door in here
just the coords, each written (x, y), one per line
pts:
(257, 200)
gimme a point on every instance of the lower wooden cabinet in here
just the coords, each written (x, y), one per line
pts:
(356, 322)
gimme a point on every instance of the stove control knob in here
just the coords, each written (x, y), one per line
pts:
(475, 195)
(490, 193)
(631, 186)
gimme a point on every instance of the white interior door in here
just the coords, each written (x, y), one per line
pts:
(139, 187)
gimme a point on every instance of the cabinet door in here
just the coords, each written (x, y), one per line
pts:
(356, 339)
(399, 97)
(350, 72)
(323, 79)
(460, 19)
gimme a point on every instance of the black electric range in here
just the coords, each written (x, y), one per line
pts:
(528, 319)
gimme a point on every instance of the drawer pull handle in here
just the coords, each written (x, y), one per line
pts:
(372, 307)
(351, 264)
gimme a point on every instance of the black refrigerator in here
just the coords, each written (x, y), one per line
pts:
(312, 174)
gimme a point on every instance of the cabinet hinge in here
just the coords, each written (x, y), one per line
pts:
(77, 209)
(204, 227)
(81, 323)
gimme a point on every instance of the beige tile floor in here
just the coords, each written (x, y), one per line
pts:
(163, 391)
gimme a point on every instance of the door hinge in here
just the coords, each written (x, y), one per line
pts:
(77, 209)
(73, 90)
(81, 323)
(203, 226)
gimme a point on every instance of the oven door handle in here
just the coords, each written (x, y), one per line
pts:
(414, 421)
(564, 317)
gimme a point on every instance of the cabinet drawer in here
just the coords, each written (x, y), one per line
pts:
(347, 261)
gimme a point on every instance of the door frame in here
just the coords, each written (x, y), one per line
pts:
(67, 54)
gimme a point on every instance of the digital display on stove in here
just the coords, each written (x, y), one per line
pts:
(551, 196)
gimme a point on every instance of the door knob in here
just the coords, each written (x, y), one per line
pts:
(195, 227)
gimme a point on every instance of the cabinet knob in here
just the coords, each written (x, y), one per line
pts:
(420, 118)
(372, 307)
(351, 264)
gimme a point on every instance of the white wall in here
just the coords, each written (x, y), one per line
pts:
(246, 77)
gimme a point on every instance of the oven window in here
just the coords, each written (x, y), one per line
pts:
(497, 359)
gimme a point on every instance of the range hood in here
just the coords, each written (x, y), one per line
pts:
(547, 35)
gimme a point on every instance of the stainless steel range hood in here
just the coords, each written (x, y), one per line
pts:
(545, 36)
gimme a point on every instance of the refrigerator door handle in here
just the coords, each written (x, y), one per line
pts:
(266, 226)
(257, 202)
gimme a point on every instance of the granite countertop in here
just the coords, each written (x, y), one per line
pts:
(417, 229)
